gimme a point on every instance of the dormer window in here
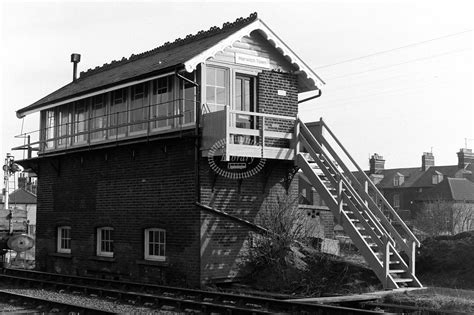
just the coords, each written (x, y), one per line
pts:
(398, 179)
(437, 178)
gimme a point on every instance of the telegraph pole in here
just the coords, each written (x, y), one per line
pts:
(9, 168)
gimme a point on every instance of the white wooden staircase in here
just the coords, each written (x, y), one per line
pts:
(383, 239)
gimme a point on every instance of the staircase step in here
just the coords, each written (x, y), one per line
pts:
(397, 271)
(400, 280)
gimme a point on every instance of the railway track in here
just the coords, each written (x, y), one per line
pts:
(29, 304)
(180, 299)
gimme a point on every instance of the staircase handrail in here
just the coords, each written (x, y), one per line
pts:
(375, 189)
(380, 228)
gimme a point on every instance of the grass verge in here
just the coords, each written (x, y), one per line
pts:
(443, 299)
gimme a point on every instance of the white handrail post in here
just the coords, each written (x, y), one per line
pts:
(412, 256)
(297, 136)
(386, 262)
(366, 189)
(339, 195)
(227, 135)
(262, 137)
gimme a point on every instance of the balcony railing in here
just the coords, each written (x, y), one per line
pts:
(133, 123)
(229, 132)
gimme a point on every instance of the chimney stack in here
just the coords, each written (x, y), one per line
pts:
(465, 157)
(427, 160)
(75, 58)
(377, 163)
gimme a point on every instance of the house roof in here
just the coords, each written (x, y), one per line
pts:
(415, 176)
(21, 196)
(184, 53)
(450, 189)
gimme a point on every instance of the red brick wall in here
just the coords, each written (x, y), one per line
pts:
(129, 188)
(269, 102)
(223, 240)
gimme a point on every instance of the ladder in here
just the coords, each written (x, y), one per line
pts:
(381, 236)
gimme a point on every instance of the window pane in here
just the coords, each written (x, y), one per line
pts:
(220, 96)
(80, 121)
(238, 94)
(162, 103)
(210, 76)
(49, 132)
(210, 96)
(118, 112)
(220, 77)
(247, 95)
(139, 107)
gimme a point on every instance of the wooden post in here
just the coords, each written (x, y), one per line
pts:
(262, 137)
(366, 189)
(227, 135)
(412, 257)
(386, 262)
(339, 195)
(296, 136)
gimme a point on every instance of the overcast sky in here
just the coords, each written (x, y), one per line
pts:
(399, 74)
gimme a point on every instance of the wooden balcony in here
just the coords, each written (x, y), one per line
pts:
(228, 132)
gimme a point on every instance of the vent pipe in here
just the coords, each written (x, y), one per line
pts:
(75, 58)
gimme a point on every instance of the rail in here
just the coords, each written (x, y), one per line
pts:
(76, 131)
(247, 133)
(205, 301)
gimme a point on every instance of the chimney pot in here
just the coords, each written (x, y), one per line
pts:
(377, 163)
(427, 160)
(75, 58)
(465, 158)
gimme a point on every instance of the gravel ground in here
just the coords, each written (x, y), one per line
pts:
(107, 304)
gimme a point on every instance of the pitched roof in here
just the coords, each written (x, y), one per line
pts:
(21, 196)
(182, 53)
(415, 176)
(450, 189)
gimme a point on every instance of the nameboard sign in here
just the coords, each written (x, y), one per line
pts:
(252, 60)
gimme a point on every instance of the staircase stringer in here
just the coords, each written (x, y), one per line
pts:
(346, 185)
(392, 232)
(347, 224)
(363, 205)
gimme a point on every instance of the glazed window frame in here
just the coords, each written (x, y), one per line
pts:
(105, 242)
(155, 244)
(64, 239)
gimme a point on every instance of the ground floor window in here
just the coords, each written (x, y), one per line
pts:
(105, 242)
(155, 243)
(64, 239)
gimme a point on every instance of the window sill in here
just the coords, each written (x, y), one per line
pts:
(102, 258)
(62, 255)
(156, 263)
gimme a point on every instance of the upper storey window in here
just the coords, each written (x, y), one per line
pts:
(149, 107)
(138, 108)
(50, 123)
(81, 121)
(188, 103)
(437, 178)
(118, 113)
(162, 104)
(398, 180)
(64, 126)
(217, 87)
(98, 118)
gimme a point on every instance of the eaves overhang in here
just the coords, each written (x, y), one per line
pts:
(302, 69)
